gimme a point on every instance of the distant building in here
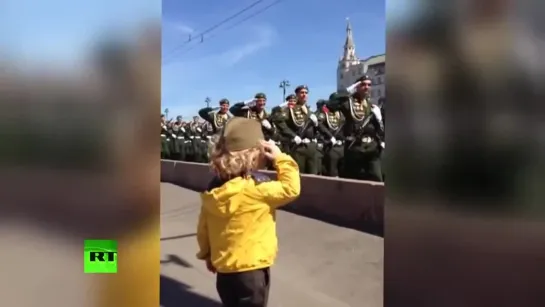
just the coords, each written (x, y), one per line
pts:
(350, 68)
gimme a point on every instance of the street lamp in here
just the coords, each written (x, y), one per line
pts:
(208, 100)
(284, 84)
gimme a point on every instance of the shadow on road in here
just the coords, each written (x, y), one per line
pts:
(179, 237)
(176, 260)
(174, 293)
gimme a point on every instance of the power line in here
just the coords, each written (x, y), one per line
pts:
(212, 28)
(256, 13)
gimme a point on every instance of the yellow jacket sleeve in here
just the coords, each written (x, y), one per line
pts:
(286, 188)
(202, 236)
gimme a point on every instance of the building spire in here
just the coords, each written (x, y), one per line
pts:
(349, 46)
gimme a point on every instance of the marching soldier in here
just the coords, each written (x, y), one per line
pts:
(206, 139)
(333, 151)
(255, 108)
(283, 141)
(177, 148)
(216, 116)
(165, 140)
(363, 131)
(193, 132)
(297, 123)
(322, 137)
(179, 120)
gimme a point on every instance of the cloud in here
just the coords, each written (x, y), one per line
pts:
(265, 37)
(183, 28)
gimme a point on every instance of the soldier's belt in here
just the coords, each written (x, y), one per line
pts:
(163, 135)
(180, 138)
(197, 137)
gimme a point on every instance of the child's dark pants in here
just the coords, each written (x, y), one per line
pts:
(245, 289)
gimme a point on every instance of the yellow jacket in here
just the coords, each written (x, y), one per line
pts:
(237, 223)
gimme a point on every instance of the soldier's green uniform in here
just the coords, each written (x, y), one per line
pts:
(334, 150)
(165, 140)
(206, 137)
(322, 137)
(283, 141)
(193, 133)
(295, 122)
(255, 110)
(363, 132)
(178, 142)
(216, 117)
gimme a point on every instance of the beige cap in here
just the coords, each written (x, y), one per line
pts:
(242, 133)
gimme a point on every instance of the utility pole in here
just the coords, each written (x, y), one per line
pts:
(208, 101)
(284, 84)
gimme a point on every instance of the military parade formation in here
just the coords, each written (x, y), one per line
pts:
(344, 137)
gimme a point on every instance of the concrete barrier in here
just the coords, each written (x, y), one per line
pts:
(344, 202)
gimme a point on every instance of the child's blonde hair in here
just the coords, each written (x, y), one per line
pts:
(228, 165)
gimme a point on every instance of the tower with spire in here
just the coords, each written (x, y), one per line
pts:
(350, 67)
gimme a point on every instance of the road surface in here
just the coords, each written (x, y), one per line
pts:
(318, 265)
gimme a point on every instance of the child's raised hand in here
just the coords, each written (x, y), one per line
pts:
(270, 150)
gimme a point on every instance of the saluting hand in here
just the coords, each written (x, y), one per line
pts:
(270, 150)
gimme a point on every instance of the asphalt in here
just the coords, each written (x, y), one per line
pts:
(319, 264)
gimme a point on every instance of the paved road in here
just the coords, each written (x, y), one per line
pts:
(319, 265)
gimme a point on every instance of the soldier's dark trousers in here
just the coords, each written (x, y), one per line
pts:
(245, 289)
(197, 151)
(320, 153)
(333, 161)
(362, 165)
(305, 156)
(175, 149)
(165, 149)
(189, 154)
(205, 146)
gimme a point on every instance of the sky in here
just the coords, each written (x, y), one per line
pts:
(297, 40)
(63, 32)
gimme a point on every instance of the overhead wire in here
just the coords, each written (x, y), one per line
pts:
(215, 26)
(255, 14)
(239, 22)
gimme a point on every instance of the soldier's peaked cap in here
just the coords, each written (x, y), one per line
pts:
(291, 96)
(301, 87)
(363, 78)
(260, 95)
(224, 101)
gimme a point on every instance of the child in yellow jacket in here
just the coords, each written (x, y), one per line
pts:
(237, 224)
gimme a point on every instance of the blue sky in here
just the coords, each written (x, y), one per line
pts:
(62, 32)
(298, 40)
